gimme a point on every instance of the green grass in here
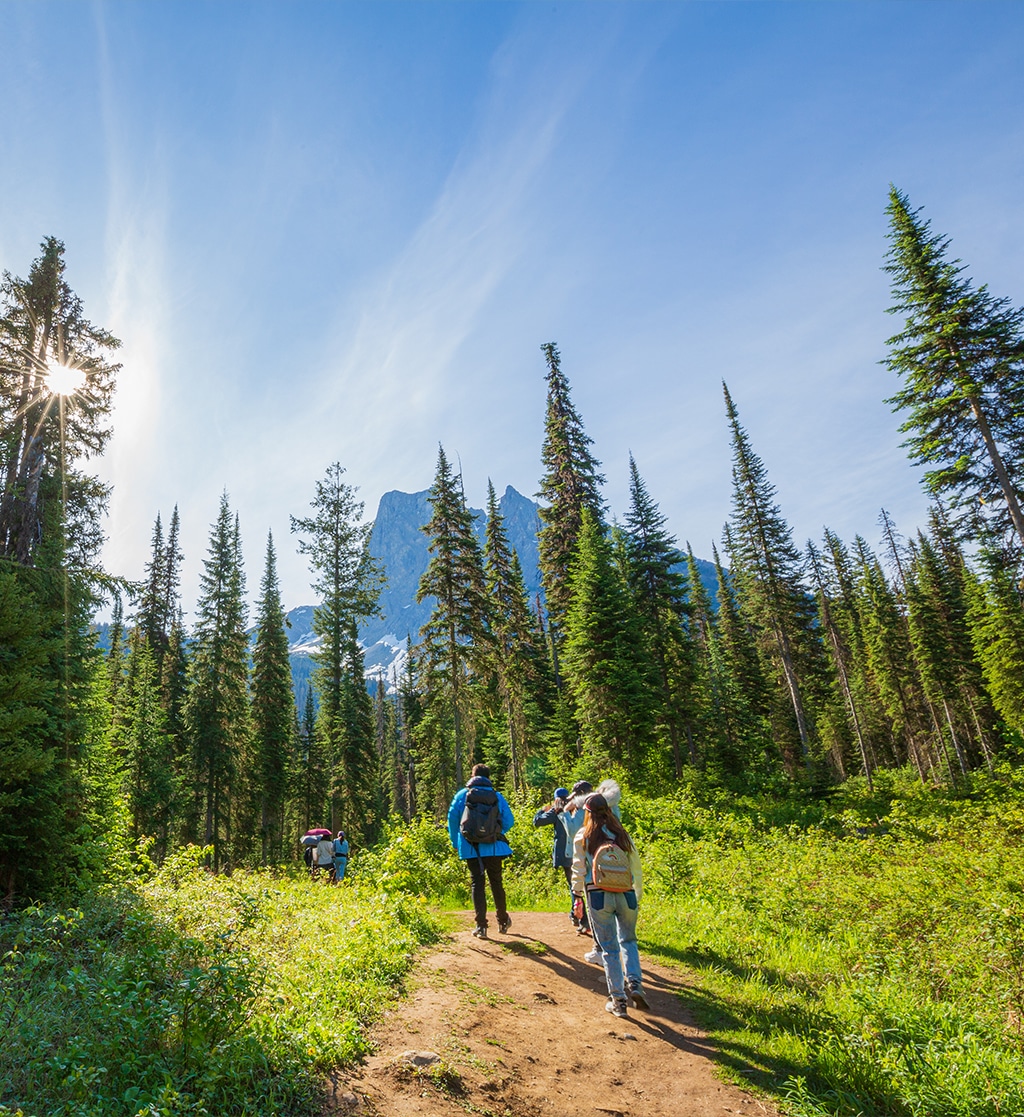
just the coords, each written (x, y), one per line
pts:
(863, 964)
(850, 955)
(197, 994)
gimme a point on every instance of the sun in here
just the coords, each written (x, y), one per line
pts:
(63, 380)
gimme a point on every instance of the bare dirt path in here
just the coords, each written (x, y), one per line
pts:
(519, 1023)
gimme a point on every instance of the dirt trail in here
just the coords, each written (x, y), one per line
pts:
(520, 1026)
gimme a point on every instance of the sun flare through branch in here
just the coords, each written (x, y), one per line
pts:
(64, 380)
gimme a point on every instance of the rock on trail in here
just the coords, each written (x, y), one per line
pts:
(515, 1026)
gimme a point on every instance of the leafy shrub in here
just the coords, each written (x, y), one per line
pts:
(196, 994)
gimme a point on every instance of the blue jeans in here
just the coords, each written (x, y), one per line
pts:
(340, 865)
(613, 921)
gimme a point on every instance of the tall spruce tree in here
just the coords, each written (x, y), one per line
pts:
(455, 640)
(347, 580)
(745, 699)
(142, 747)
(515, 656)
(570, 485)
(49, 541)
(217, 706)
(607, 670)
(890, 659)
(47, 427)
(841, 659)
(659, 590)
(960, 356)
(768, 570)
(996, 620)
(273, 713)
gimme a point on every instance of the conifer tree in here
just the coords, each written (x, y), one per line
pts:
(45, 430)
(996, 620)
(607, 671)
(348, 581)
(769, 576)
(744, 700)
(841, 658)
(217, 706)
(389, 774)
(890, 658)
(313, 776)
(160, 602)
(515, 656)
(659, 591)
(360, 762)
(960, 356)
(409, 714)
(115, 656)
(273, 712)
(937, 617)
(29, 777)
(49, 538)
(570, 485)
(142, 746)
(455, 639)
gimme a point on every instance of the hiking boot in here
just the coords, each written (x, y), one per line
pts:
(638, 996)
(504, 924)
(617, 1006)
(593, 956)
(480, 932)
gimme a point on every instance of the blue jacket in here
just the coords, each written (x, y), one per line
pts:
(561, 855)
(463, 848)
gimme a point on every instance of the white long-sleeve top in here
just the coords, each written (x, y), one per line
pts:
(582, 870)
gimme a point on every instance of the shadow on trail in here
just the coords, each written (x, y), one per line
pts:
(667, 1011)
(676, 1002)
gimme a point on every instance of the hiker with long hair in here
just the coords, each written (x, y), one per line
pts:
(606, 866)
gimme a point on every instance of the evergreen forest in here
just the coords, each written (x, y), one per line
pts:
(837, 707)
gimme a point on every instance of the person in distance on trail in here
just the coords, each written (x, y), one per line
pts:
(606, 864)
(561, 853)
(323, 856)
(477, 822)
(341, 851)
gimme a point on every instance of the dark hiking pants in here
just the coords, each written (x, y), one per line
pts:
(478, 866)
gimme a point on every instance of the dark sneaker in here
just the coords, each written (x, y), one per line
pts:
(504, 924)
(638, 996)
(480, 932)
(617, 1006)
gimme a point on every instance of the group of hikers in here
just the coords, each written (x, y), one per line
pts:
(326, 855)
(600, 863)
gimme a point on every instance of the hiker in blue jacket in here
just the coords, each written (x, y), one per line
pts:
(341, 852)
(483, 857)
(561, 853)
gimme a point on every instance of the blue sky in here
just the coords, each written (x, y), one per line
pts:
(342, 232)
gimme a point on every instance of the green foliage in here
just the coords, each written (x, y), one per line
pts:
(859, 957)
(196, 994)
(960, 357)
(348, 581)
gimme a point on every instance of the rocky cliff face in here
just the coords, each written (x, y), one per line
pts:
(398, 541)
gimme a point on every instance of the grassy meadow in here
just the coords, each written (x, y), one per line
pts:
(856, 954)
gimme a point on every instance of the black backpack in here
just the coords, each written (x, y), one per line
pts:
(481, 816)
